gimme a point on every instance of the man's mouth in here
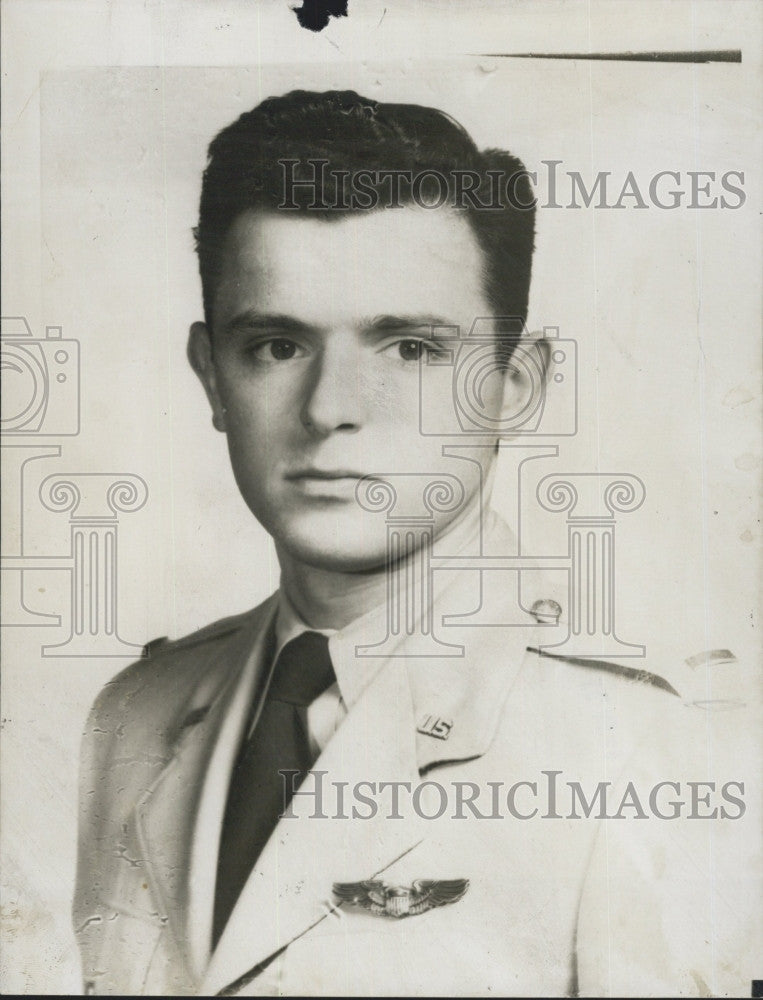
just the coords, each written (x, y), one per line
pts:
(338, 485)
(324, 474)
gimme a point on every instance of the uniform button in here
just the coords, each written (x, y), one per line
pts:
(546, 612)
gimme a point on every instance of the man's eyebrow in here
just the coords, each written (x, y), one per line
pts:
(392, 323)
(252, 320)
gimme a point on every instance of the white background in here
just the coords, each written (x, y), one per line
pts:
(107, 110)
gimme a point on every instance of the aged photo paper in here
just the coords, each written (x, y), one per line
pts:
(521, 534)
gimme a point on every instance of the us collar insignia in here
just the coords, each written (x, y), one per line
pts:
(433, 725)
(401, 901)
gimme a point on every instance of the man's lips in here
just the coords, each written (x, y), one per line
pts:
(328, 484)
(324, 474)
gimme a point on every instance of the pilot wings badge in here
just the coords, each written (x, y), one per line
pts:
(398, 900)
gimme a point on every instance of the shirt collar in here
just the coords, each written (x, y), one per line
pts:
(353, 673)
(289, 624)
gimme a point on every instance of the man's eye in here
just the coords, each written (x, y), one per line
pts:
(282, 350)
(410, 350)
(277, 349)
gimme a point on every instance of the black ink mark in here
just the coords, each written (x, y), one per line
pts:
(314, 14)
(705, 56)
(97, 919)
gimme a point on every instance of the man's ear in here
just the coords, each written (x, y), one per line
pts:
(527, 373)
(200, 356)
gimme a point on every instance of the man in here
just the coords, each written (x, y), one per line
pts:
(321, 796)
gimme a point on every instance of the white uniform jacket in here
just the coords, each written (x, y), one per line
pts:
(557, 904)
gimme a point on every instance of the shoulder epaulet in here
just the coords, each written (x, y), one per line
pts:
(216, 630)
(155, 644)
(629, 673)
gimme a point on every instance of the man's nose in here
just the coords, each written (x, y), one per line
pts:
(334, 397)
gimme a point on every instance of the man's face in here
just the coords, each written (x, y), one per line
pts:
(312, 369)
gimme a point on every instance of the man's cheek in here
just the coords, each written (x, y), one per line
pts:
(247, 457)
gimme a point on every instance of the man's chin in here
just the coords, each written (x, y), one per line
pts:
(338, 544)
(336, 557)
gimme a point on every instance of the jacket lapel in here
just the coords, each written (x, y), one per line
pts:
(182, 809)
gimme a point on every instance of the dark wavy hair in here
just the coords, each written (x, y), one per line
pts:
(245, 170)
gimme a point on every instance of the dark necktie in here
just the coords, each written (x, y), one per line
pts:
(258, 794)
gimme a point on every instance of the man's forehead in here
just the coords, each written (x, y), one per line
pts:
(403, 260)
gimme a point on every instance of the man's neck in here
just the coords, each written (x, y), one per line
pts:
(331, 599)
